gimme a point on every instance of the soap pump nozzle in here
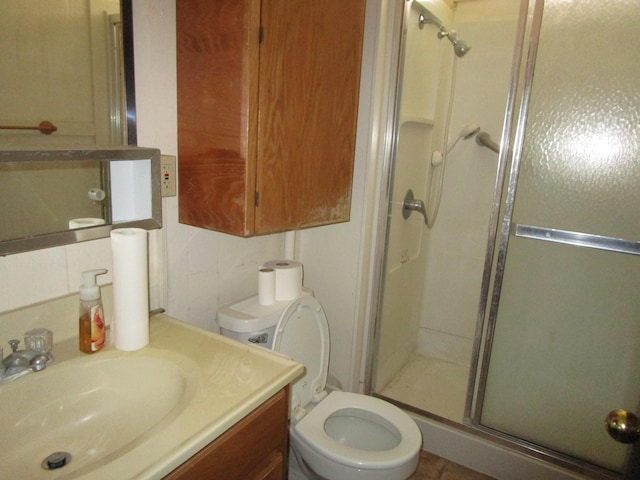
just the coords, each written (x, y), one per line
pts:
(89, 290)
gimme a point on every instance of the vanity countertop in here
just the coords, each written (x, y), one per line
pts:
(224, 381)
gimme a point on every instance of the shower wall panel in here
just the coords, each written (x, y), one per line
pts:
(418, 133)
(457, 241)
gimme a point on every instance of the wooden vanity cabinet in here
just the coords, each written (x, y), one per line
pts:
(267, 110)
(256, 448)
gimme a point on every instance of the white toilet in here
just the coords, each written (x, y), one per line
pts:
(339, 436)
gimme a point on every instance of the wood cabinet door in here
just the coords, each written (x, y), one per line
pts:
(217, 68)
(256, 448)
(310, 59)
(267, 110)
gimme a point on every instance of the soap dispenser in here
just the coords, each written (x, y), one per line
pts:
(92, 328)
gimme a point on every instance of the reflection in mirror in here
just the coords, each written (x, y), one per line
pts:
(40, 204)
(102, 189)
(66, 73)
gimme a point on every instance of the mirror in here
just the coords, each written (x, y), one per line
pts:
(103, 189)
(67, 77)
(66, 73)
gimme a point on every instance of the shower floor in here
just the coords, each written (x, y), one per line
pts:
(433, 385)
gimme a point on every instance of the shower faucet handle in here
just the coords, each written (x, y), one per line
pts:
(411, 204)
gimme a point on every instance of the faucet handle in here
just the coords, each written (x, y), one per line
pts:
(39, 362)
(14, 344)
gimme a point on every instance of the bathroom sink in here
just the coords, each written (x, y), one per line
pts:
(133, 415)
(95, 408)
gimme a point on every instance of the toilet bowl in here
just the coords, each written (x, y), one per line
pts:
(341, 435)
(353, 436)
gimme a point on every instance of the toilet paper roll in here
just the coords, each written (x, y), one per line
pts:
(130, 326)
(288, 278)
(85, 222)
(266, 286)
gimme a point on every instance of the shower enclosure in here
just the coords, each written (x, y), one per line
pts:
(518, 290)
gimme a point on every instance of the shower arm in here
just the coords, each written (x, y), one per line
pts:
(484, 139)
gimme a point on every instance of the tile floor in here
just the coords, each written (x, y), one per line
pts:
(432, 467)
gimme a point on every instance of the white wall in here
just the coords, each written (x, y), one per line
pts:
(195, 271)
(458, 239)
(419, 133)
(204, 269)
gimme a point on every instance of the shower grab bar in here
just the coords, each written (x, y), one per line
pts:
(484, 139)
(578, 239)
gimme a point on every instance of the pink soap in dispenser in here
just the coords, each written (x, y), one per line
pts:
(92, 328)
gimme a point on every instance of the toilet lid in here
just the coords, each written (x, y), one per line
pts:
(303, 334)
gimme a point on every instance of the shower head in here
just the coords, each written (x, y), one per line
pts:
(466, 133)
(469, 131)
(460, 47)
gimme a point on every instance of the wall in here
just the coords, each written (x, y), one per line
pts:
(419, 133)
(458, 238)
(193, 271)
(43, 37)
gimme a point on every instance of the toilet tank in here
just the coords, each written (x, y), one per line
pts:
(249, 322)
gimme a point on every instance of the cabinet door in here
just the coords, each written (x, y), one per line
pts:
(267, 109)
(256, 448)
(310, 59)
(217, 68)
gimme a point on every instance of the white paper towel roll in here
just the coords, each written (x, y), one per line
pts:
(266, 286)
(288, 278)
(130, 327)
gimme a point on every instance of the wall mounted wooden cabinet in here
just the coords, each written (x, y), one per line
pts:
(267, 109)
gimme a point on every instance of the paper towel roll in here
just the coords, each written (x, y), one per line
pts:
(85, 222)
(130, 326)
(288, 278)
(266, 286)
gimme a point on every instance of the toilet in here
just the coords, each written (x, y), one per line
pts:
(337, 435)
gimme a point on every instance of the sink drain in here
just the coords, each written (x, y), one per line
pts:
(56, 460)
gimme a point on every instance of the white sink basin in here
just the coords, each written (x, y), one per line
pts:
(93, 408)
(133, 415)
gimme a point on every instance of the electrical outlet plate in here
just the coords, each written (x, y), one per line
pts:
(168, 174)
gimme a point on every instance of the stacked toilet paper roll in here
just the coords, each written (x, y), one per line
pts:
(130, 326)
(279, 280)
(266, 286)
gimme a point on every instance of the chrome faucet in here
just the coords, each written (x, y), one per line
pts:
(21, 362)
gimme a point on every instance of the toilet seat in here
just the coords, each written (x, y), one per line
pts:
(302, 333)
(345, 436)
(312, 431)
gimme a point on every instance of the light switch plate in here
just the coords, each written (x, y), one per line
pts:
(168, 175)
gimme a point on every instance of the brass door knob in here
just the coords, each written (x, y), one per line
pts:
(623, 426)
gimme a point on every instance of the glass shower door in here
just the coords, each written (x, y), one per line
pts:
(562, 346)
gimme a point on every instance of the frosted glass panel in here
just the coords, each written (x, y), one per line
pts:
(581, 168)
(566, 343)
(565, 346)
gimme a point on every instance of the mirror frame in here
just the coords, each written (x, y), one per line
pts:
(126, 14)
(109, 153)
(104, 154)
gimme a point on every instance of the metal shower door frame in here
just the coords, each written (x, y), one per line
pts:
(501, 228)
